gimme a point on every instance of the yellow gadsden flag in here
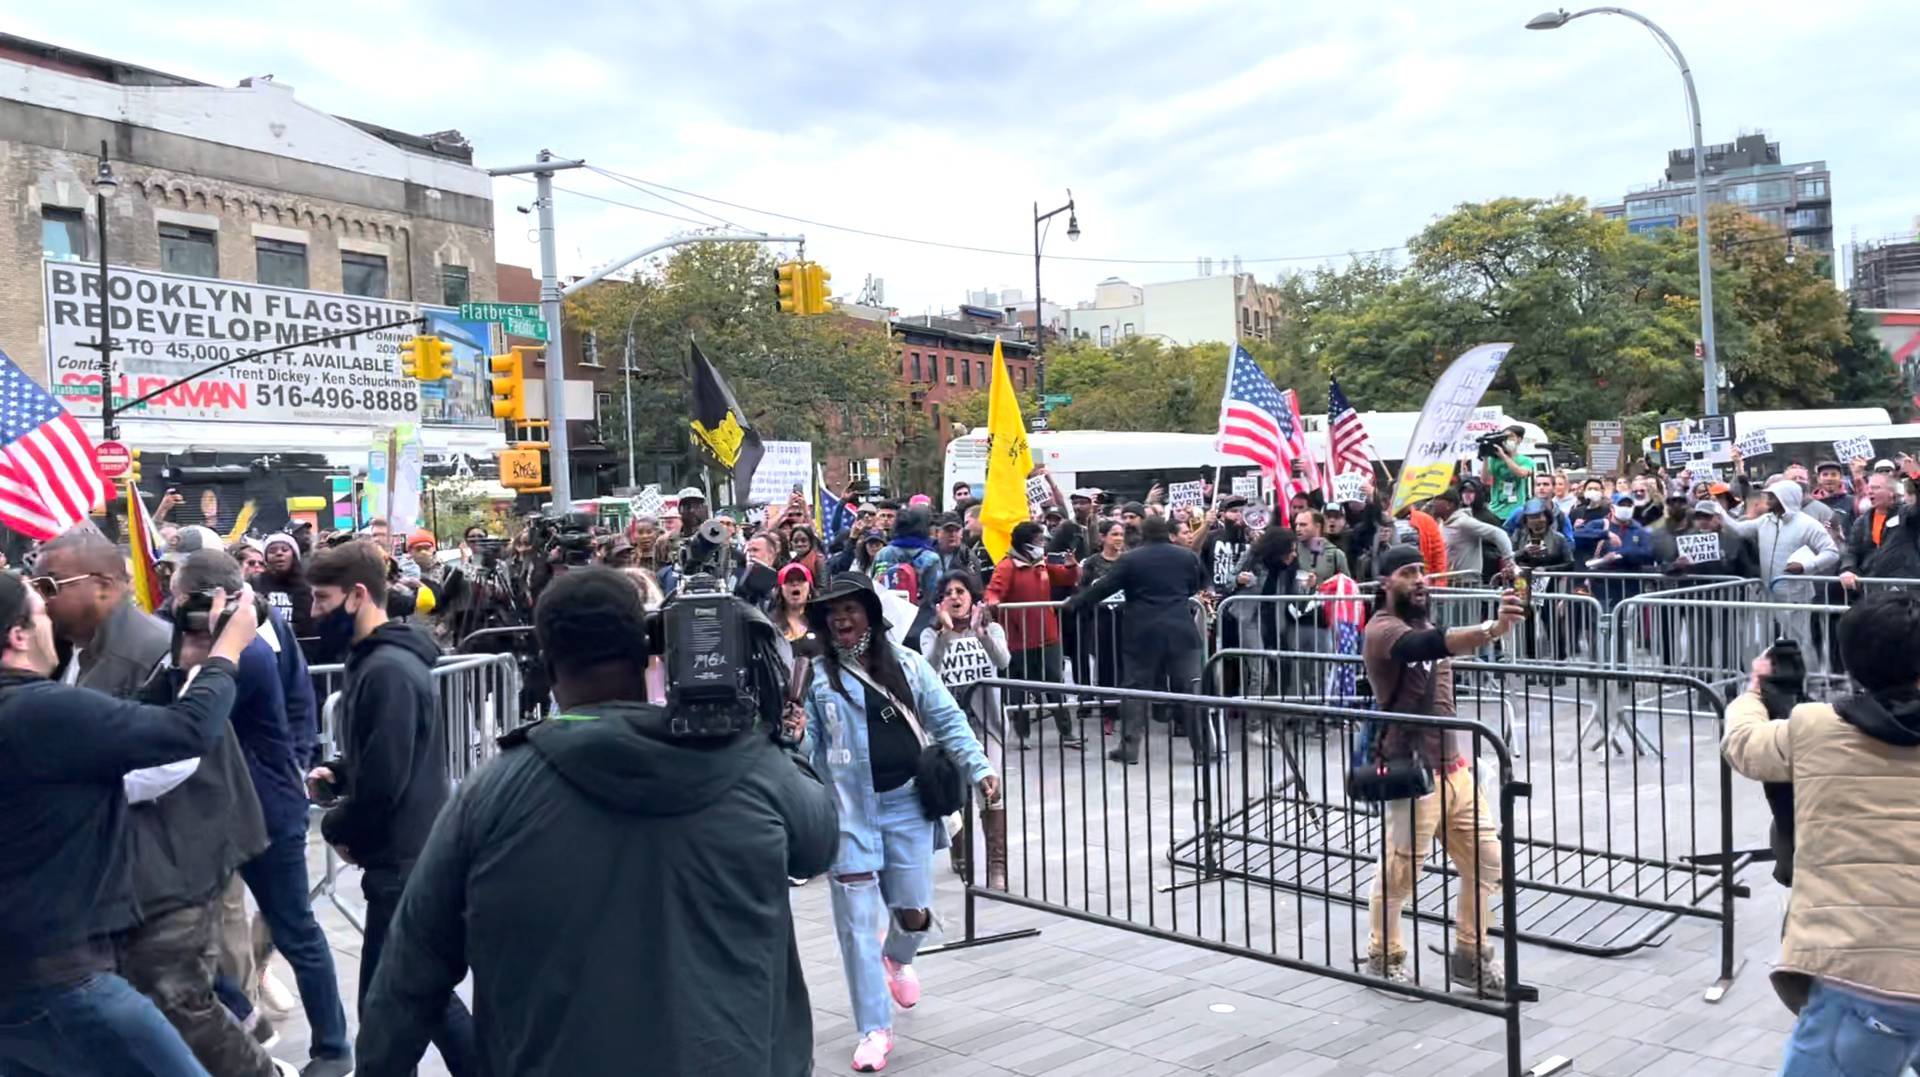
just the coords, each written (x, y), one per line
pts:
(1008, 463)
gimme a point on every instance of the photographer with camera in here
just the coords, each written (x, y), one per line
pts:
(1508, 470)
(651, 864)
(871, 712)
(392, 779)
(1850, 956)
(68, 894)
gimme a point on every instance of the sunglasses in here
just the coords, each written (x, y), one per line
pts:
(48, 587)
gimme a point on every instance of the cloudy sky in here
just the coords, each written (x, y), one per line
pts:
(1285, 134)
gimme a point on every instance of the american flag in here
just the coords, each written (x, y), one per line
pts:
(1297, 441)
(1347, 441)
(49, 478)
(1256, 423)
(1347, 613)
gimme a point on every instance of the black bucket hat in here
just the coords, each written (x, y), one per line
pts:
(846, 585)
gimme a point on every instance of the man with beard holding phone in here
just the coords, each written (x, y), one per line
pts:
(1409, 664)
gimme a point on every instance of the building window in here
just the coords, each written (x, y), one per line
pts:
(949, 369)
(363, 274)
(1812, 218)
(280, 263)
(1813, 188)
(453, 285)
(1022, 372)
(966, 373)
(1106, 336)
(603, 409)
(590, 349)
(1127, 329)
(916, 366)
(983, 373)
(856, 470)
(936, 420)
(63, 234)
(190, 251)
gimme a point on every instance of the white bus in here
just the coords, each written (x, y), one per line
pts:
(1128, 463)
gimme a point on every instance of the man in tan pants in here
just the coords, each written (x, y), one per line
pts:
(1409, 664)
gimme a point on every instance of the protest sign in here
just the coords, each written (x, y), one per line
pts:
(1039, 492)
(1677, 458)
(1182, 494)
(1699, 547)
(784, 466)
(1606, 444)
(1672, 430)
(1696, 444)
(1257, 516)
(1850, 449)
(1349, 486)
(1754, 444)
(648, 501)
(1247, 486)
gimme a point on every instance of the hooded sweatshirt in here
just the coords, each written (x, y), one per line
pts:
(395, 764)
(288, 592)
(1777, 537)
(613, 885)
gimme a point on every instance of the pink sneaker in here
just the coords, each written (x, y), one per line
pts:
(903, 982)
(871, 1055)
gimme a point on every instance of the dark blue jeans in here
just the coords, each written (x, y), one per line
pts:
(98, 1026)
(278, 880)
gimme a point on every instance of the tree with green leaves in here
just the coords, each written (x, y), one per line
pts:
(798, 378)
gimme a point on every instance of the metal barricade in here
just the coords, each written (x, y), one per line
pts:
(1614, 847)
(1738, 632)
(1185, 847)
(478, 701)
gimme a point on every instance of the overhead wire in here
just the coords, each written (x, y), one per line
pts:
(640, 183)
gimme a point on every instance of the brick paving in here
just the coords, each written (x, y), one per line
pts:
(1084, 998)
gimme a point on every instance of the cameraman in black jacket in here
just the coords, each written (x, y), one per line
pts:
(652, 867)
(65, 878)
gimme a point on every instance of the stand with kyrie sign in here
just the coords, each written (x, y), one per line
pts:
(1606, 442)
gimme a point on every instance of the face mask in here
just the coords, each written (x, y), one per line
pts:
(1623, 512)
(853, 653)
(1032, 553)
(335, 629)
(1593, 497)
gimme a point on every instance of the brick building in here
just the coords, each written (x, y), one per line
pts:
(232, 184)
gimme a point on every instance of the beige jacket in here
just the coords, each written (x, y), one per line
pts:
(1854, 915)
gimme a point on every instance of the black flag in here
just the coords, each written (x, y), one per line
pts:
(719, 425)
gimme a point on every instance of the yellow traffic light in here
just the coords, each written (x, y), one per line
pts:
(816, 289)
(412, 356)
(434, 359)
(508, 384)
(793, 288)
(133, 467)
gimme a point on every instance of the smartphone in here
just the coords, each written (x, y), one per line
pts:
(1056, 559)
(1523, 587)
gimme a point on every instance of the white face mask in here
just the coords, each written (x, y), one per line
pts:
(1594, 496)
(1623, 512)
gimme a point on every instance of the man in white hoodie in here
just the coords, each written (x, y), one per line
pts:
(1778, 534)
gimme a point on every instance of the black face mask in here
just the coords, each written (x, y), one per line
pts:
(335, 629)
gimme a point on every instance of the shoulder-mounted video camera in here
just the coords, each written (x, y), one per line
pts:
(726, 664)
(194, 612)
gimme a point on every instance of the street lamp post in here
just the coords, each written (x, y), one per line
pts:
(1039, 331)
(1553, 20)
(104, 184)
(626, 377)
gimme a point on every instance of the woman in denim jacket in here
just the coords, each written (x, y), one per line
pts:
(865, 747)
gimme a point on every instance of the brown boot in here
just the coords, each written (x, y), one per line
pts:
(993, 822)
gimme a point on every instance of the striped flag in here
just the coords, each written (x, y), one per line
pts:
(49, 477)
(831, 514)
(143, 551)
(1348, 613)
(1297, 442)
(1257, 424)
(1348, 446)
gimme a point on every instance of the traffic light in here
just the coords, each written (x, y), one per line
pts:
(521, 468)
(509, 386)
(413, 357)
(816, 290)
(133, 467)
(435, 359)
(793, 288)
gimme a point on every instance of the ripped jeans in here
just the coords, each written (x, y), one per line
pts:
(862, 904)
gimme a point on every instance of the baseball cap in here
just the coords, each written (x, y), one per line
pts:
(1623, 499)
(191, 540)
(421, 537)
(1233, 501)
(792, 567)
(691, 493)
(1706, 508)
(1092, 493)
(1718, 488)
(1883, 465)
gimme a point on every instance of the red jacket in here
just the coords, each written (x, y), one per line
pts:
(1013, 582)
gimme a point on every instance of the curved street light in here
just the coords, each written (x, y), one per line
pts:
(1553, 20)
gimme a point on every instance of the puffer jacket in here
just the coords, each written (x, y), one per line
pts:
(1854, 913)
(1779, 536)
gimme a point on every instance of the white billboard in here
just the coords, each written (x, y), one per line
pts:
(167, 326)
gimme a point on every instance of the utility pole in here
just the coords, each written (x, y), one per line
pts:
(559, 463)
(104, 184)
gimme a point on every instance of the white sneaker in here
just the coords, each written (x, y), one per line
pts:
(277, 996)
